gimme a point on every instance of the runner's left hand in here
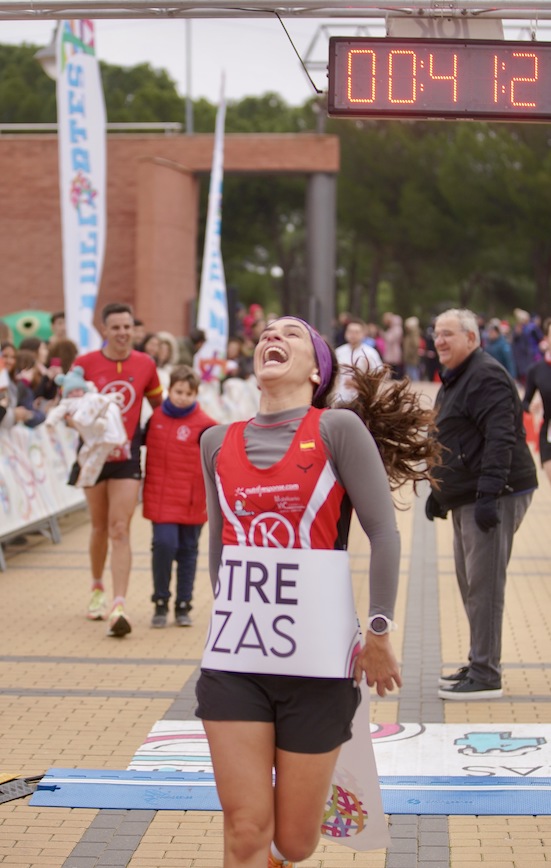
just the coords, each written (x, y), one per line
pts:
(378, 662)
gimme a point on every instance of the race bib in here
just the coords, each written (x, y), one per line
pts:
(283, 612)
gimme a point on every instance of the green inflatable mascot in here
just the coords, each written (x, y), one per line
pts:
(29, 324)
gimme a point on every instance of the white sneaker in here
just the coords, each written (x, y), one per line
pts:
(97, 607)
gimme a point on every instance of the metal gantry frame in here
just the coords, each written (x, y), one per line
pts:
(62, 9)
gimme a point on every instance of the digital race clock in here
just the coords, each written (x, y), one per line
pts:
(448, 78)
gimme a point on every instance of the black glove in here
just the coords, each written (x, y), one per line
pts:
(485, 512)
(433, 509)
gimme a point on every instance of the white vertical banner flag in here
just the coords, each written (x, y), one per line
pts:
(213, 305)
(82, 173)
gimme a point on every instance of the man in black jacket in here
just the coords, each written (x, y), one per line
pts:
(487, 480)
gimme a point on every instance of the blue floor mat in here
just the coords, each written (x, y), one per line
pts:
(196, 791)
(490, 796)
(99, 788)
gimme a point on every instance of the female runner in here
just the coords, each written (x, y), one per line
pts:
(287, 480)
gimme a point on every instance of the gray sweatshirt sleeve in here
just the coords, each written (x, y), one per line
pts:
(360, 469)
(210, 443)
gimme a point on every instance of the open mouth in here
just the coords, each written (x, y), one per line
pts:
(274, 356)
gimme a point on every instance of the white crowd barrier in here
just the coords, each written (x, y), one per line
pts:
(34, 467)
(35, 462)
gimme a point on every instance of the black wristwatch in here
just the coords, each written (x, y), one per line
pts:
(380, 624)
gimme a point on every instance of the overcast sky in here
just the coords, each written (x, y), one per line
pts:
(255, 54)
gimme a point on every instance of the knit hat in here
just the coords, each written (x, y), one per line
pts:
(72, 381)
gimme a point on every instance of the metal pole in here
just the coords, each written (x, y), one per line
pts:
(189, 102)
(321, 201)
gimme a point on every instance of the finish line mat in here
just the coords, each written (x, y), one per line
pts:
(195, 791)
(445, 769)
(411, 749)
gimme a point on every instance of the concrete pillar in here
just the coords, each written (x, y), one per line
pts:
(166, 245)
(321, 227)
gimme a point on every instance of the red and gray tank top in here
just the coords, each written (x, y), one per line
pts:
(295, 503)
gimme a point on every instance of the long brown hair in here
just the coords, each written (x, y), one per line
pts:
(401, 426)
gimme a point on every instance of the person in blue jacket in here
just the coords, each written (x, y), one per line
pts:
(499, 348)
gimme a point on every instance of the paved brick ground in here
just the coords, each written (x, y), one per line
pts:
(71, 697)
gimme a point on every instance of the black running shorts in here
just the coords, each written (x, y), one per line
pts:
(311, 715)
(129, 469)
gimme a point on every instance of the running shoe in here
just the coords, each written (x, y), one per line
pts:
(181, 615)
(459, 675)
(97, 606)
(468, 690)
(119, 625)
(160, 616)
(278, 863)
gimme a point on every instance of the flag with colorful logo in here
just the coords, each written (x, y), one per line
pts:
(82, 176)
(212, 316)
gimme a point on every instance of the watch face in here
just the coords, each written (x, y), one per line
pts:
(379, 624)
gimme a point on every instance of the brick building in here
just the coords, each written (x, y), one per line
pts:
(152, 203)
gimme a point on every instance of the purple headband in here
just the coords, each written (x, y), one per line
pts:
(322, 354)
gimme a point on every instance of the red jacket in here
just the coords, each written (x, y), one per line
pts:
(174, 490)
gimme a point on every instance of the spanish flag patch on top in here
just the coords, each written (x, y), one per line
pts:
(307, 444)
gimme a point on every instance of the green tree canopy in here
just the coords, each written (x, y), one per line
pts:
(27, 95)
(138, 93)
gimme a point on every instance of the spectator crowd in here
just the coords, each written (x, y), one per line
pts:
(402, 344)
(34, 387)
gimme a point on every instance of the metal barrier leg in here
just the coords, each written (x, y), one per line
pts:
(55, 533)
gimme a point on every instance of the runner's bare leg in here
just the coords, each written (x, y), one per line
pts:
(243, 754)
(122, 498)
(98, 508)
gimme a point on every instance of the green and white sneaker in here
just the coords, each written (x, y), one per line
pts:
(97, 607)
(119, 625)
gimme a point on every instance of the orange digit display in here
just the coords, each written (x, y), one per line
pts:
(368, 75)
(452, 77)
(533, 61)
(398, 73)
(433, 78)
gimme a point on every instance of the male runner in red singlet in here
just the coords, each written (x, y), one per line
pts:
(112, 500)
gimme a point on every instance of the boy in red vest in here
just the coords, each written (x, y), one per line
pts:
(174, 493)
